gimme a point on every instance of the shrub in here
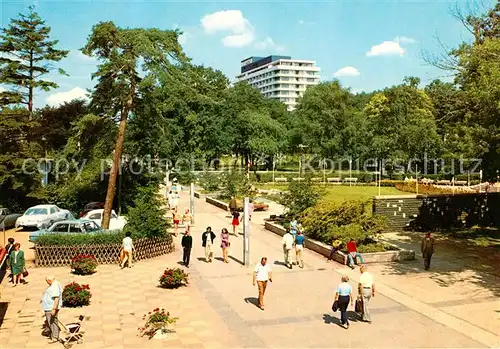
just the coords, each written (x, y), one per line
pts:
(76, 295)
(104, 237)
(342, 220)
(156, 320)
(147, 218)
(210, 181)
(173, 278)
(300, 196)
(234, 184)
(83, 264)
(410, 187)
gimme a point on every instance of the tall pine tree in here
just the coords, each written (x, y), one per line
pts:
(27, 54)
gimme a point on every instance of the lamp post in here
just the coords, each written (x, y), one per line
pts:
(45, 178)
(301, 146)
(350, 171)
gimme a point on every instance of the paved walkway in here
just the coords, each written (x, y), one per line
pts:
(218, 308)
(298, 302)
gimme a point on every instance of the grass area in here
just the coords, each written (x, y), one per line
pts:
(483, 237)
(343, 192)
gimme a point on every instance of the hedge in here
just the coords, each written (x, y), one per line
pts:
(110, 237)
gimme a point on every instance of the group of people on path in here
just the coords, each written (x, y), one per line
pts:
(293, 240)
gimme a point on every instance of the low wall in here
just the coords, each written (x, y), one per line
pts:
(55, 256)
(218, 203)
(324, 249)
(439, 211)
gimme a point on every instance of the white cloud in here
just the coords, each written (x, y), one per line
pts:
(60, 97)
(346, 71)
(2, 89)
(79, 56)
(391, 48)
(232, 21)
(387, 48)
(268, 44)
(301, 21)
(404, 40)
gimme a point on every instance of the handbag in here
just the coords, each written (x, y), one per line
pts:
(335, 306)
(358, 306)
(25, 273)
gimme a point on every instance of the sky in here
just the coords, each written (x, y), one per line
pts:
(367, 45)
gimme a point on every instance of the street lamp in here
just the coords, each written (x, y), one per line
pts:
(301, 146)
(350, 171)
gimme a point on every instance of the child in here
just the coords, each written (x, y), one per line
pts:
(128, 247)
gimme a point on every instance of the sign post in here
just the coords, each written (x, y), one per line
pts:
(246, 232)
(191, 203)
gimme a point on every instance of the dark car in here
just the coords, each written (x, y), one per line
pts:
(7, 219)
(91, 206)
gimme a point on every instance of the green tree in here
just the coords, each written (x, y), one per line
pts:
(27, 55)
(125, 53)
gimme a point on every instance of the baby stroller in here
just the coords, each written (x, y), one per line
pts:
(72, 332)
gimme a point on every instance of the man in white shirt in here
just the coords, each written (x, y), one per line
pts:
(51, 304)
(261, 274)
(367, 291)
(287, 242)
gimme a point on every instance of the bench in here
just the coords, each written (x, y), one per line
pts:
(443, 182)
(316, 179)
(334, 180)
(350, 180)
(298, 179)
(462, 183)
(280, 179)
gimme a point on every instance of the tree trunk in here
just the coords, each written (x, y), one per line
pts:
(110, 195)
(30, 87)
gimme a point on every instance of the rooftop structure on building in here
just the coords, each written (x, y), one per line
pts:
(280, 77)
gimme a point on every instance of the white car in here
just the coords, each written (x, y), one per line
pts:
(115, 223)
(42, 216)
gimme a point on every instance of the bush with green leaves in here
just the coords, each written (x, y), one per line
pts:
(334, 220)
(210, 181)
(234, 184)
(147, 218)
(103, 237)
(300, 196)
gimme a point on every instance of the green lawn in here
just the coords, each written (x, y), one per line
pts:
(343, 192)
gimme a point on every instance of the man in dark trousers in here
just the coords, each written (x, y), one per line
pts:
(207, 240)
(187, 244)
(427, 249)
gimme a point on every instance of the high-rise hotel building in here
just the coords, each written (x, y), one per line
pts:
(280, 77)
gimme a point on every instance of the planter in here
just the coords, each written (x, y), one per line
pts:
(218, 203)
(161, 333)
(55, 256)
(324, 249)
(225, 206)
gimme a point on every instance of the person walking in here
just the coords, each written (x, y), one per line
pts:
(176, 220)
(344, 296)
(427, 249)
(173, 200)
(235, 222)
(16, 263)
(367, 291)
(232, 205)
(207, 240)
(293, 227)
(287, 243)
(224, 244)
(299, 247)
(261, 275)
(336, 246)
(128, 247)
(186, 220)
(51, 304)
(353, 254)
(187, 244)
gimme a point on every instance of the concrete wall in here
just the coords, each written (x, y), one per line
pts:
(324, 249)
(439, 212)
(218, 203)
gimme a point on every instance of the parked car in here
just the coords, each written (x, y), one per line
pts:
(42, 216)
(91, 206)
(74, 226)
(115, 222)
(8, 219)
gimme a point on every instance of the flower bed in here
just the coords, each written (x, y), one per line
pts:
(157, 320)
(173, 278)
(76, 295)
(83, 264)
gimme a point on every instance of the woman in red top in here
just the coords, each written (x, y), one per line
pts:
(353, 253)
(236, 221)
(176, 220)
